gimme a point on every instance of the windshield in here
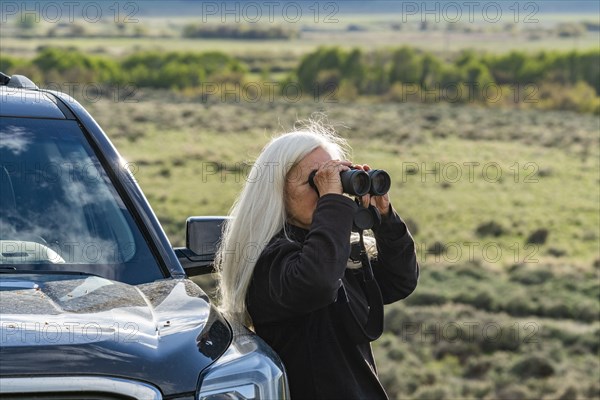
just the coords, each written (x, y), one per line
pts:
(58, 208)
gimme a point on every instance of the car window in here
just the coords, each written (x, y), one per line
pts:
(58, 208)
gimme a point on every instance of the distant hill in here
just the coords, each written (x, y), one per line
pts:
(193, 8)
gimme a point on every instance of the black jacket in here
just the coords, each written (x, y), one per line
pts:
(292, 295)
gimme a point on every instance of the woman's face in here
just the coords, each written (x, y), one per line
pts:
(300, 198)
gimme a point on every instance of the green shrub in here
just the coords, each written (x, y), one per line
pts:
(490, 228)
(475, 271)
(11, 65)
(477, 368)
(570, 393)
(78, 66)
(580, 97)
(412, 226)
(425, 297)
(513, 392)
(519, 305)
(531, 276)
(405, 66)
(437, 392)
(437, 248)
(480, 299)
(539, 236)
(533, 366)
(463, 350)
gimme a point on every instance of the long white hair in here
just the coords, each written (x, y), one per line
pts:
(259, 212)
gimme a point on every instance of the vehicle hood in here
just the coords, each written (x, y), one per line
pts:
(164, 333)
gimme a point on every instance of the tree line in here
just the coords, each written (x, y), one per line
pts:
(407, 73)
(547, 79)
(248, 32)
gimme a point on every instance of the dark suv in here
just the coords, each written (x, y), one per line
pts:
(94, 302)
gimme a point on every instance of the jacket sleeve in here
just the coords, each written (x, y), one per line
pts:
(305, 277)
(395, 268)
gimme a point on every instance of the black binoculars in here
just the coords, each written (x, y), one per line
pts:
(357, 182)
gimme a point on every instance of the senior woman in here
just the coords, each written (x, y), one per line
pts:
(283, 265)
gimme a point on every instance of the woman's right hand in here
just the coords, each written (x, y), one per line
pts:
(327, 178)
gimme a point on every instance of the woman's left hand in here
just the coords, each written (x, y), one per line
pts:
(381, 202)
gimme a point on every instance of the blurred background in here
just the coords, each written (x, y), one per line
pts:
(486, 114)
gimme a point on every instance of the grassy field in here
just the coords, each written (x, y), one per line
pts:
(458, 166)
(494, 316)
(371, 31)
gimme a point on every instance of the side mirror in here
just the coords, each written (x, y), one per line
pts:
(202, 238)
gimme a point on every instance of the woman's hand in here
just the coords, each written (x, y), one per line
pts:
(327, 178)
(381, 202)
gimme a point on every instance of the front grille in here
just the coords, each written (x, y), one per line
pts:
(76, 388)
(66, 396)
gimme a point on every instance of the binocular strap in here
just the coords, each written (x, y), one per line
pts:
(373, 328)
(361, 332)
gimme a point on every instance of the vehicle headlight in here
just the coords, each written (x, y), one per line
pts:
(249, 369)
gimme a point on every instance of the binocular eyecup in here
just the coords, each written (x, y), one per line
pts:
(357, 182)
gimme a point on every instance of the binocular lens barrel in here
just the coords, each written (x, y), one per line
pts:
(357, 182)
(380, 182)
